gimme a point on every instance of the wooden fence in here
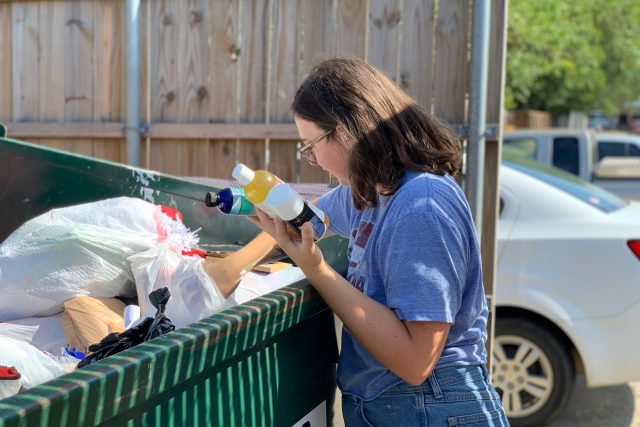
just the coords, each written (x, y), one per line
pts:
(218, 76)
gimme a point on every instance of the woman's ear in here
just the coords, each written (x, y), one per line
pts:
(340, 134)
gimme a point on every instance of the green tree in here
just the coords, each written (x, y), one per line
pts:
(573, 55)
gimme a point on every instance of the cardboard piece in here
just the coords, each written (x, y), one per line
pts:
(87, 320)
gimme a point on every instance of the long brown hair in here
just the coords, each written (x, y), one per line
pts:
(386, 132)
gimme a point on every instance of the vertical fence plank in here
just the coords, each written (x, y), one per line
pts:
(285, 59)
(319, 33)
(26, 48)
(179, 52)
(6, 54)
(164, 78)
(193, 56)
(193, 91)
(79, 61)
(497, 55)
(163, 62)
(51, 61)
(384, 30)
(283, 159)
(350, 41)
(51, 98)
(109, 93)
(416, 50)
(285, 69)
(223, 81)
(319, 43)
(452, 65)
(254, 59)
(351, 28)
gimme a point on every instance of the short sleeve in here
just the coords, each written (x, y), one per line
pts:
(424, 267)
(337, 205)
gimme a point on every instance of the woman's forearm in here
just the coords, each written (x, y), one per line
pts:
(226, 272)
(251, 253)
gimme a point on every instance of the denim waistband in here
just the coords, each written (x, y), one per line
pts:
(443, 377)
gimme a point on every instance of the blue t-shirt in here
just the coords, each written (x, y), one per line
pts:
(417, 253)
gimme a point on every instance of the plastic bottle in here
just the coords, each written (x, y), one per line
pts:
(230, 201)
(291, 207)
(256, 185)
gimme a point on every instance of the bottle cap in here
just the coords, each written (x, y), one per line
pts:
(9, 373)
(243, 174)
(285, 201)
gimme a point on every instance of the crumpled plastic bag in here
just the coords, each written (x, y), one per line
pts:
(34, 365)
(81, 250)
(149, 328)
(194, 295)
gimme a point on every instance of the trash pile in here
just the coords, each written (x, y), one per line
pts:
(84, 282)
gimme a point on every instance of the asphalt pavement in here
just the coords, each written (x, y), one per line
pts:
(614, 406)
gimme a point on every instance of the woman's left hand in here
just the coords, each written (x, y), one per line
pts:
(301, 249)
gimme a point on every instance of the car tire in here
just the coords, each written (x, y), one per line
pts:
(532, 370)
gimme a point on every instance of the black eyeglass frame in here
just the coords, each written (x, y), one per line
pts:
(306, 149)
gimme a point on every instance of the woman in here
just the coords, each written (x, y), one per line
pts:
(412, 304)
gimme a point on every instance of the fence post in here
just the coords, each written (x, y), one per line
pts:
(132, 127)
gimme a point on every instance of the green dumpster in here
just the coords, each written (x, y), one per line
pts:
(270, 361)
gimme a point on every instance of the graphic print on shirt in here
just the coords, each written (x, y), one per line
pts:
(357, 243)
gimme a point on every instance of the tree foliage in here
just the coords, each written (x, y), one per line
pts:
(565, 55)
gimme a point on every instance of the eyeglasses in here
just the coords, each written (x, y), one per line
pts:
(306, 149)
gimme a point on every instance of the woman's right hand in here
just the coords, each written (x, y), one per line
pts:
(301, 249)
(263, 221)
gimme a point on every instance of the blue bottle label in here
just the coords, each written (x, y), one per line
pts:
(241, 205)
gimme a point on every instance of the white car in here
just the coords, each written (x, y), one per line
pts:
(568, 290)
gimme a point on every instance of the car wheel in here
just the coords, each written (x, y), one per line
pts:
(532, 370)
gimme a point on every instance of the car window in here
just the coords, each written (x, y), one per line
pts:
(611, 149)
(565, 154)
(527, 148)
(634, 150)
(576, 187)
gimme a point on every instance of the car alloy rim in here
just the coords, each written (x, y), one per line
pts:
(522, 374)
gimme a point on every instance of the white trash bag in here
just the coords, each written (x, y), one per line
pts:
(194, 295)
(81, 250)
(34, 365)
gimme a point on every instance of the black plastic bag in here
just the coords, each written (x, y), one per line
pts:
(149, 328)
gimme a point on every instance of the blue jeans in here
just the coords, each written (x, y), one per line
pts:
(452, 396)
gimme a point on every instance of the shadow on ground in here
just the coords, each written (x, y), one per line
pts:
(604, 406)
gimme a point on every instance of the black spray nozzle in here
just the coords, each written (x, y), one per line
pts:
(211, 199)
